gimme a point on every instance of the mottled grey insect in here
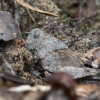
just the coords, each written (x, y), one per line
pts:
(50, 52)
(54, 56)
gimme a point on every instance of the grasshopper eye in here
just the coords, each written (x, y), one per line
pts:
(36, 34)
(1, 33)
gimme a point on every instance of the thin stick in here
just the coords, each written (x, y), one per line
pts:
(7, 65)
(30, 15)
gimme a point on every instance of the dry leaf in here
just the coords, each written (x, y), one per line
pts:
(21, 2)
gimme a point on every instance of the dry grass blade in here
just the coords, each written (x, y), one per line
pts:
(21, 2)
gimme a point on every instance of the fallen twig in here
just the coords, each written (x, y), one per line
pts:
(21, 2)
(7, 65)
(30, 15)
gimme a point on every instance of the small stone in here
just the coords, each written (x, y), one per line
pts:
(8, 27)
